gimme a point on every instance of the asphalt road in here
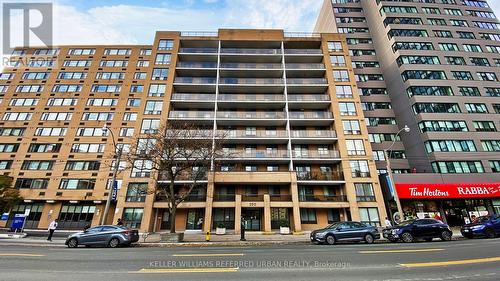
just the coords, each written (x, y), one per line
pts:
(454, 260)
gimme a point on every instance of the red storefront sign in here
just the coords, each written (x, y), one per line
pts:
(447, 190)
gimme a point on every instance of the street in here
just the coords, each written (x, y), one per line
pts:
(455, 260)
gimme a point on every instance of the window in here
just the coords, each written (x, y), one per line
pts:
(466, 35)
(355, 147)
(82, 166)
(407, 33)
(72, 75)
(491, 145)
(87, 148)
(448, 47)
(436, 21)
(77, 63)
(479, 61)
(24, 183)
(495, 166)
(433, 11)
(398, 9)
(364, 192)
(369, 216)
(43, 165)
(113, 63)
(150, 126)
(101, 102)
(33, 75)
(308, 216)
(443, 126)
(457, 167)
(359, 169)
(379, 138)
(136, 88)
(145, 52)
(337, 60)
(97, 116)
(132, 217)
(10, 132)
(50, 132)
(44, 147)
(472, 48)
(142, 169)
(165, 44)
(429, 91)
(493, 49)
(469, 91)
(159, 74)
(17, 116)
(81, 52)
(5, 164)
(493, 92)
(461, 23)
(56, 116)
(417, 60)
(117, 52)
(134, 102)
(412, 46)
(484, 126)
(351, 127)
(162, 59)
(126, 132)
(369, 77)
(29, 88)
(423, 74)
(128, 116)
(462, 75)
(91, 132)
(156, 90)
(100, 88)
(62, 88)
(378, 155)
(153, 107)
(375, 121)
(77, 184)
(450, 146)
(487, 76)
(23, 102)
(341, 75)
(476, 108)
(61, 102)
(436, 108)
(486, 25)
(8, 147)
(46, 52)
(110, 75)
(347, 108)
(335, 46)
(136, 192)
(140, 75)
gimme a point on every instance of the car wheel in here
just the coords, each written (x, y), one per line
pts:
(113, 243)
(369, 239)
(446, 235)
(407, 237)
(490, 233)
(330, 239)
(428, 239)
(72, 243)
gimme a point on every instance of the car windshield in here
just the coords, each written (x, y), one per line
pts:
(333, 225)
(406, 223)
(481, 219)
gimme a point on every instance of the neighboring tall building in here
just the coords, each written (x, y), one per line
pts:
(439, 63)
(293, 119)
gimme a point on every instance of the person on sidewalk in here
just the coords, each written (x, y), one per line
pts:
(52, 228)
(388, 222)
(119, 222)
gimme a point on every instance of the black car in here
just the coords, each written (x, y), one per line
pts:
(103, 235)
(351, 231)
(426, 229)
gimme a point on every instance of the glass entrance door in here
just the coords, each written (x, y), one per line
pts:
(195, 219)
(252, 218)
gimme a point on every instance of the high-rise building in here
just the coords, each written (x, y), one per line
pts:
(434, 66)
(293, 119)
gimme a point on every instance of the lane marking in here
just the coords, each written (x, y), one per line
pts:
(187, 270)
(20, 255)
(446, 263)
(208, 255)
(400, 251)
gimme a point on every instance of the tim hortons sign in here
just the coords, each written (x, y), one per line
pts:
(447, 190)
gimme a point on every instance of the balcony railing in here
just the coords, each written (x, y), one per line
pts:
(193, 97)
(224, 197)
(281, 197)
(195, 80)
(308, 154)
(306, 81)
(252, 65)
(365, 198)
(186, 64)
(313, 134)
(251, 81)
(198, 50)
(304, 66)
(191, 114)
(250, 97)
(309, 97)
(255, 134)
(278, 153)
(322, 198)
(320, 176)
(251, 51)
(250, 115)
(196, 198)
(252, 197)
(304, 51)
(359, 174)
(186, 176)
(311, 115)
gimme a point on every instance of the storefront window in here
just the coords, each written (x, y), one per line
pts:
(75, 216)
(369, 216)
(132, 217)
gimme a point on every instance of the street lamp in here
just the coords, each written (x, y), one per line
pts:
(118, 154)
(406, 129)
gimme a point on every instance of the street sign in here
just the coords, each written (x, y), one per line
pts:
(114, 191)
(5, 216)
(18, 221)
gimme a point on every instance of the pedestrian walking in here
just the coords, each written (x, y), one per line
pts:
(52, 228)
(388, 222)
(438, 217)
(119, 222)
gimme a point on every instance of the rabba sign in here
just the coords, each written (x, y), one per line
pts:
(447, 190)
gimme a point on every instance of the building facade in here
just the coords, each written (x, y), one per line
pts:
(294, 123)
(439, 63)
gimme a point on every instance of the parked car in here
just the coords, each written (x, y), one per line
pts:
(485, 226)
(351, 231)
(103, 235)
(426, 229)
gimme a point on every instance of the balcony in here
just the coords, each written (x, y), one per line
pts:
(258, 136)
(359, 174)
(196, 65)
(309, 101)
(322, 198)
(280, 197)
(311, 97)
(302, 66)
(252, 197)
(316, 155)
(196, 198)
(194, 84)
(253, 99)
(185, 176)
(303, 52)
(195, 80)
(250, 51)
(320, 176)
(309, 118)
(312, 136)
(192, 97)
(259, 154)
(224, 197)
(198, 50)
(264, 118)
(307, 81)
(205, 117)
(365, 198)
(251, 81)
(260, 66)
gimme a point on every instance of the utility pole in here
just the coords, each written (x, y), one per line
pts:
(115, 172)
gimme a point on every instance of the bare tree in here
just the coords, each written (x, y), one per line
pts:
(176, 151)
